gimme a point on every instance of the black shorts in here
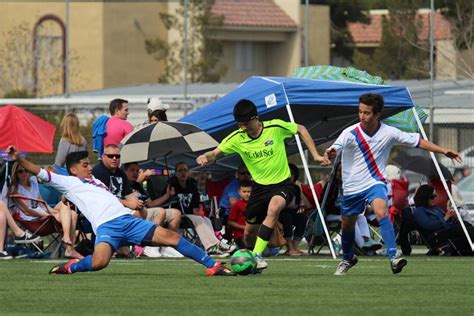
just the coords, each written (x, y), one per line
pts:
(257, 206)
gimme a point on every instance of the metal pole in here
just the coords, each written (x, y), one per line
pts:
(185, 49)
(306, 32)
(431, 69)
(66, 52)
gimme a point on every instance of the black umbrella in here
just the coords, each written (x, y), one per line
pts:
(162, 139)
(423, 165)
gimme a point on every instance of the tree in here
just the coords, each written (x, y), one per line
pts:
(397, 57)
(16, 64)
(460, 14)
(203, 51)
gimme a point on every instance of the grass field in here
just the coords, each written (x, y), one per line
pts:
(428, 285)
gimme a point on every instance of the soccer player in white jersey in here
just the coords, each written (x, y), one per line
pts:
(365, 148)
(111, 221)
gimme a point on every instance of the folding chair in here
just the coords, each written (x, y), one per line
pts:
(43, 227)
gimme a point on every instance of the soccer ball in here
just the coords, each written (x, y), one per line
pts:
(243, 262)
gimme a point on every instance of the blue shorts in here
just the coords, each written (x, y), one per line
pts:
(355, 204)
(125, 230)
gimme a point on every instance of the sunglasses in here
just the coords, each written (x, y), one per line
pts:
(21, 171)
(112, 156)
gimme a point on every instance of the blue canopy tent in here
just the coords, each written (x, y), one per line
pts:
(324, 107)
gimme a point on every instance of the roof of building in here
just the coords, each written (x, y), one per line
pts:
(252, 13)
(372, 33)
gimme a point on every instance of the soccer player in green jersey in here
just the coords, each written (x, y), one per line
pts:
(262, 148)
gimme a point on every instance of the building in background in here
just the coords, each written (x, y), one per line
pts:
(107, 40)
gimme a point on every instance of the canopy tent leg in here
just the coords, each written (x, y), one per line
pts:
(443, 180)
(310, 181)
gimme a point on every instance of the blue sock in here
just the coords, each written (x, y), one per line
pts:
(388, 236)
(347, 239)
(192, 251)
(85, 264)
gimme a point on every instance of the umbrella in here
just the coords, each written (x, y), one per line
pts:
(25, 131)
(403, 120)
(423, 165)
(162, 139)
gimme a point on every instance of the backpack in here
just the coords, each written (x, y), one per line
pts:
(98, 134)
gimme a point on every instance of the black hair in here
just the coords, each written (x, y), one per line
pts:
(423, 195)
(373, 100)
(127, 165)
(72, 159)
(244, 111)
(294, 171)
(160, 114)
(115, 105)
(245, 184)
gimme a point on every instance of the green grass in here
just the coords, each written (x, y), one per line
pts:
(428, 285)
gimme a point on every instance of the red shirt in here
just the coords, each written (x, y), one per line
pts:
(237, 215)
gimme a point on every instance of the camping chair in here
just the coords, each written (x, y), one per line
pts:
(43, 227)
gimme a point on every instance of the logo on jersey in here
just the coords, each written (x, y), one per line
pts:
(269, 142)
(259, 153)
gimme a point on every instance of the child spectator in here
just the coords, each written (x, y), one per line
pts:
(236, 216)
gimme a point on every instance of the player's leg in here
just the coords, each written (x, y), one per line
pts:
(97, 261)
(250, 234)
(378, 199)
(165, 237)
(277, 203)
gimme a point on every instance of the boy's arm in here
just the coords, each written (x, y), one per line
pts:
(308, 140)
(204, 159)
(29, 166)
(427, 145)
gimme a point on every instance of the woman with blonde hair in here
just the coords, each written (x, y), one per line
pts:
(71, 139)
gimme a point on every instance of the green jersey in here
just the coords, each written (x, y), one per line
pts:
(265, 156)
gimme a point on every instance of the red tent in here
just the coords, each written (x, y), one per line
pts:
(25, 131)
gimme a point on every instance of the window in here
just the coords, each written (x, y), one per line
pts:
(245, 56)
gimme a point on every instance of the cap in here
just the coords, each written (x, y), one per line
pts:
(155, 103)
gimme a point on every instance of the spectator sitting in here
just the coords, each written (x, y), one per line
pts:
(71, 139)
(29, 210)
(117, 125)
(436, 224)
(169, 217)
(236, 221)
(187, 200)
(231, 191)
(21, 236)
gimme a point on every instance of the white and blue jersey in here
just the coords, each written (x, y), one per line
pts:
(364, 156)
(90, 196)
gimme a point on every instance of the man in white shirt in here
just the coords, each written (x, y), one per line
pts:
(111, 221)
(365, 148)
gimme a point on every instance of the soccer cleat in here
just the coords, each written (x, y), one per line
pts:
(219, 270)
(261, 263)
(345, 265)
(63, 268)
(26, 238)
(397, 264)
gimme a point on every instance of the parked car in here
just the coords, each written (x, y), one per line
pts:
(466, 188)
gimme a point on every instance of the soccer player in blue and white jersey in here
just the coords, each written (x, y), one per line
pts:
(112, 223)
(365, 148)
